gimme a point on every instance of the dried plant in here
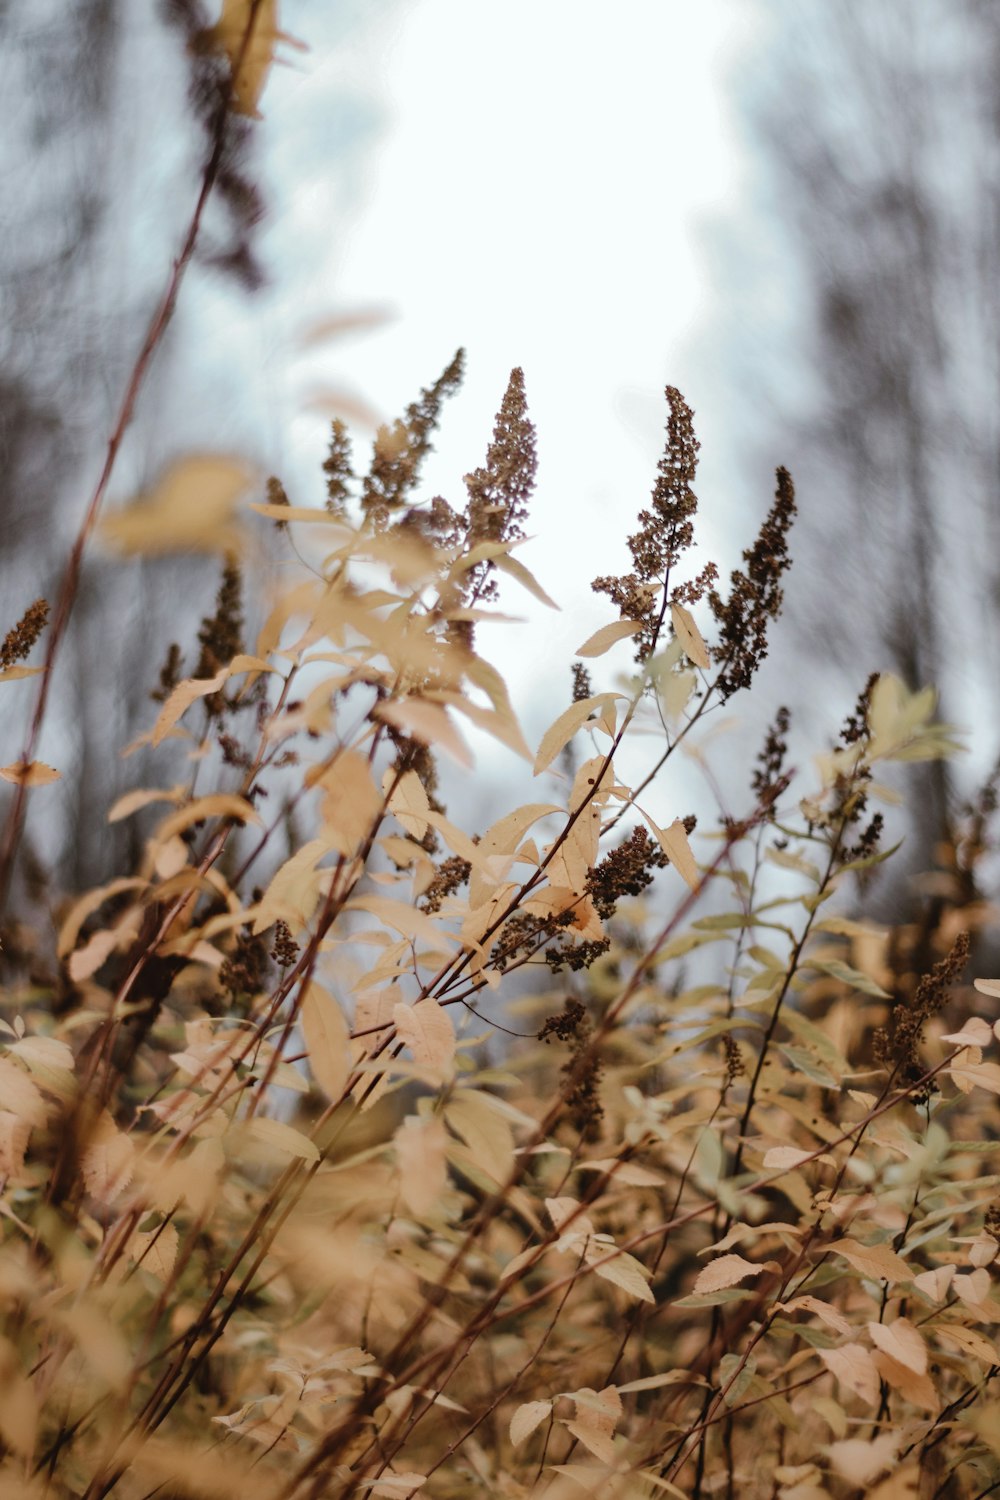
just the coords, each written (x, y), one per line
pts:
(281, 1219)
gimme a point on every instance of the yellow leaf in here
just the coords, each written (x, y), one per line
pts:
(108, 1161)
(282, 1138)
(854, 1367)
(327, 1040)
(191, 508)
(216, 805)
(918, 1389)
(878, 1262)
(20, 1095)
(518, 571)
(724, 1272)
(87, 905)
(427, 722)
(421, 1147)
(486, 1133)
(19, 1407)
(155, 1250)
(821, 1310)
(785, 1157)
(427, 1030)
(974, 1033)
(294, 892)
(134, 801)
(31, 773)
(394, 1486)
(526, 1419)
(408, 801)
(622, 1270)
(689, 636)
(903, 1484)
(352, 805)
(970, 1341)
(504, 728)
(902, 1342)
(602, 640)
(976, 1075)
(934, 1284)
(596, 1417)
(674, 843)
(181, 699)
(859, 1461)
(14, 674)
(14, 1136)
(401, 917)
(569, 721)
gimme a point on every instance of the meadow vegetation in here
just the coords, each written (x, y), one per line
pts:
(288, 1212)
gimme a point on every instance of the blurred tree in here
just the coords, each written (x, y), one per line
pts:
(882, 164)
(110, 111)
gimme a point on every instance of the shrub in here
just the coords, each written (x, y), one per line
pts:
(281, 1218)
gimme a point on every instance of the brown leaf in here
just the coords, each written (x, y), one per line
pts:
(108, 1161)
(674, 843)
(724, 1272)
(191, 508)
(427, 1030)
(602, 640)
(689, 636)
(526, 1418)
(327, 1040)
(878, 1262)
(854, 1367)
(32, 773)
(423, 1169)
(918, 1389)
(562, 730)
(902, 1342)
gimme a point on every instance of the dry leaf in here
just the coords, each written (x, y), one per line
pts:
(689, 636)
(935, 1284)
(974, 1033)
(726, 1271)
(421, 1147)
(427, 1030)
(854, 1367)
(822, 1310)
(597, 1415)
(191, 508)
(970, 1341)
(108, 1161)
(155, 1250)
(526, 1418)
(181, 699)
(602, 640)
(14, 1136)
(427, 722)
(859, 1461)
(902, 1342)
(622, 1270)
(284, 1139)
(878, 1262)
(786, 1157)
(32, 773)
(674, 843)
(559, 733)
(19, 1095)
(327, 1040)
(918, 1389)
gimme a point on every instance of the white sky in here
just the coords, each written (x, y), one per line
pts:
(535, 193)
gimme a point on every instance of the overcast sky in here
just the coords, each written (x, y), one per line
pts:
(534, 186)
